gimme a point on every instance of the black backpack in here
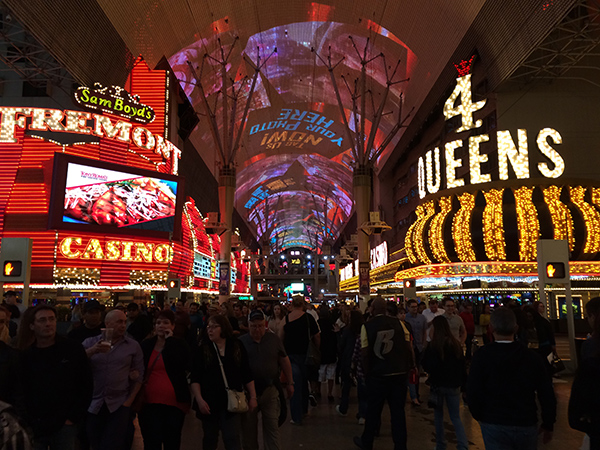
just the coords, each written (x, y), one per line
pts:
(13, 435)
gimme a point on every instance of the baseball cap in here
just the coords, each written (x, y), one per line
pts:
(91, 305)
(256, 314)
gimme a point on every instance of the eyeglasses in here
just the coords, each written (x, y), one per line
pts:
(212, 327)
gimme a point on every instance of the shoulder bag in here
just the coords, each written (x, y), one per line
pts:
(140, 399)
(236, 400)
(313, 353)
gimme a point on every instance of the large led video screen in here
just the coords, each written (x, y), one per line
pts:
(94, 195)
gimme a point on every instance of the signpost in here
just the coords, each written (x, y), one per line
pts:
(15, 260)
(553, 268)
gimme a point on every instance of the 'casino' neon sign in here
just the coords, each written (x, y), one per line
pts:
(81, 122)
(509, 153)
(115, 250)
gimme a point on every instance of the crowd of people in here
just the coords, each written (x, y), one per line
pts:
(229, 364)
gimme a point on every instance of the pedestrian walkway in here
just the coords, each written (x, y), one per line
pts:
(324, 428)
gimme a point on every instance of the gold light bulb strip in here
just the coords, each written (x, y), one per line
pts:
(562, 220)
(436, 230)
(493, 225)
(461, 228)
(418, 240)
(591, 218)
(408, 242)
(528, 224)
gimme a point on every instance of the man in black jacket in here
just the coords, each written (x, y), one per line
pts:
(387, 358)
(504, 379)
(58, 378)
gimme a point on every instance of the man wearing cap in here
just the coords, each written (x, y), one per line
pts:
(16, 309)
(140, 325)
(92, 322)
(267, 358)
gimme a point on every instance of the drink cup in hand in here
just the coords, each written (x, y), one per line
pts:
(107, 336)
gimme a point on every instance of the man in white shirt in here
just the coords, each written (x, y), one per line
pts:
(432, 312)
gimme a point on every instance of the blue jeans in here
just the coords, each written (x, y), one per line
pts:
(63, 439)
(299, 401)
(508, 437)
(230, 426)
(379, 390)
(452, 398)
(106, 430)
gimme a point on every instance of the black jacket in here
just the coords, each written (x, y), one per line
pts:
(584, 404)
(59, 385)
(11, 388)
(448, 372)
(177, 359)
(502, 386)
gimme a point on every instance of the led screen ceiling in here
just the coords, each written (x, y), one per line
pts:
(294, 182)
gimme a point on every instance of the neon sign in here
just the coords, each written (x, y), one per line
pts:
(116, 250)
(114, 100)
(78, 122)
(509, 153)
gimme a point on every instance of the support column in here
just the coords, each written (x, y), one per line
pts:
(362, 180)
(226, 197)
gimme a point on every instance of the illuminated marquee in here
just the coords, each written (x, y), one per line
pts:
(81, 122)
(508, 152)
(114, 100)
(116, 250)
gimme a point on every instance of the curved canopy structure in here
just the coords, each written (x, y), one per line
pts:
(294, 166)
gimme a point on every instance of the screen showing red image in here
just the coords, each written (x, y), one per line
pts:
(98, 196)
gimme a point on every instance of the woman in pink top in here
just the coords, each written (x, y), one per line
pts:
(167, 361)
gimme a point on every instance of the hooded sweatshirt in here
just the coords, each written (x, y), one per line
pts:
(502, 386)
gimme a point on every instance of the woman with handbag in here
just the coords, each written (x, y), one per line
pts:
(220, 371)
(166, 392)
(444, 361)
(301, 339)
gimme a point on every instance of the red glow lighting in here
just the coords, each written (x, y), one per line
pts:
(464, 67)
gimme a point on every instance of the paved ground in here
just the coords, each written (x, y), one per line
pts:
(325, 429)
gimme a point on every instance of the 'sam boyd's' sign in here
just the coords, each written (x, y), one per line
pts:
(114, 100)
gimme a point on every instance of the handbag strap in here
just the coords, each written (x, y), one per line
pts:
(221, 365)
(149, 371)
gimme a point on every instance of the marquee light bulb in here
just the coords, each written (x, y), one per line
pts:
(519, 159)
(452, 164)
(548, 151)
(466, 108)
(476, 159)
(431, 187)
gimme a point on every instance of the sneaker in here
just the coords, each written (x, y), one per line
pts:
(361, 421)
(358, 442)
(339, 411)
(312, 400)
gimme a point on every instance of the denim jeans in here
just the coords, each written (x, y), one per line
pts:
(299, 401)
(63, 439)
(452, 398)
(230, 426)
(508, 437)
(379, 390)
(106, 430)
